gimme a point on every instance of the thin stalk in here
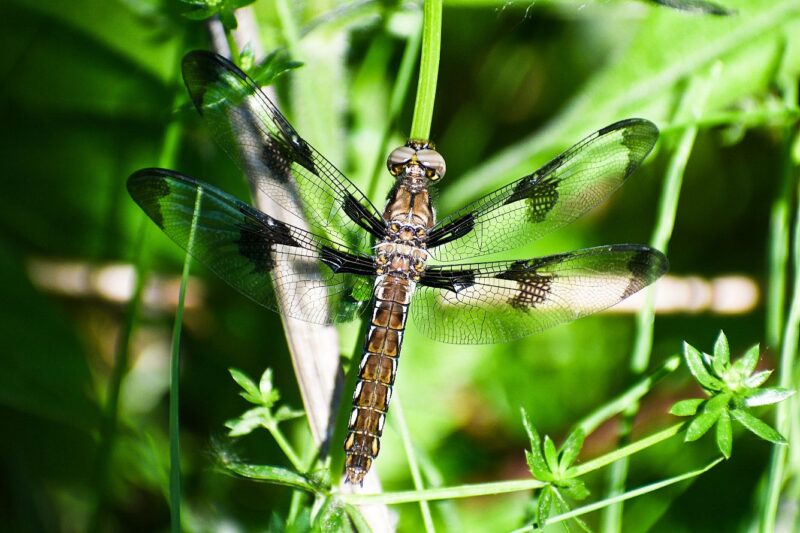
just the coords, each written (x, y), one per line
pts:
(428, 69)
(399, 93)
(782, 116)
(780, 220)
(416, 476)
(787, 378)
(691, 106)
(503, 487)
(593, 420)
(174, 396)
(625, 496)
(286, 448)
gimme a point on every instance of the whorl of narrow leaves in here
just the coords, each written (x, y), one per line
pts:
(554, 466)
(732, 389)
(264, 396)
(205, 9)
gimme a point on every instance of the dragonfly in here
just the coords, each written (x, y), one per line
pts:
(332, 255)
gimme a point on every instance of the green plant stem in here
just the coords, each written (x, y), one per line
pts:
(290, 32)
(428, 69)
(174, 397)
(593, 420)
(780, 220)
(691, 107)
(503, 487)
(286, 447)
(787, 377)
(234, 48)
(398, 96)
(760, 117)
(416, 476)
(625, 496)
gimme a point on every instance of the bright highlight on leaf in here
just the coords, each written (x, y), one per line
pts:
(732, 389)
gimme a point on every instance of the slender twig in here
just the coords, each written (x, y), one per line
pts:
(504, 487)
(416, 476)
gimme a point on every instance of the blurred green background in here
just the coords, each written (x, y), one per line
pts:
(89, 89)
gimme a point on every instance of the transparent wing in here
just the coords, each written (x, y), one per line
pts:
(317, 279)
(553, 196)
(504, 300)
(248, 126)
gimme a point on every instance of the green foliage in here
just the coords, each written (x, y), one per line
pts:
(555, 467)
(264, 396)
(732, 388)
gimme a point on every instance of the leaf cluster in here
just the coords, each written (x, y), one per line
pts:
(732, 388)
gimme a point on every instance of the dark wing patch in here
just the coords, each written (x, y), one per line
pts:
(249, 127)
(319, 280)
(504, 300)
(553, 196)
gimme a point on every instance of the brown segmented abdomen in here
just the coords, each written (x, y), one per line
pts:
(376, 374)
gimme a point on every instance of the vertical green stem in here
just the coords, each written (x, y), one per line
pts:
(399, 92)
(416, 476)
(428, 69)
(791, 337)
(691, 107)
(174, 397)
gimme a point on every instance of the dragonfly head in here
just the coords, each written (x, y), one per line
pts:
(417, 162)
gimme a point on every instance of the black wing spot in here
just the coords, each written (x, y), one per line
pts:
(534, 288)
(540, 190)
(452, 231)
(345, 263)
(258, 235)
(451, 280)
(645, 267)
(363, 216)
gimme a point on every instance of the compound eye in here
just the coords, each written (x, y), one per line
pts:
(432, 161)
(398, 159)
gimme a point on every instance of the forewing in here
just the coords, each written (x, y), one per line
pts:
(275, 264)
(504, 300)
(248, 126)
(555, 195)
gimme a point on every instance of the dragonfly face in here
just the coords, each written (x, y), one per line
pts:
(356, 257)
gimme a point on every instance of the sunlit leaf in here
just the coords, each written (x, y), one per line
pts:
(747, 363)
(686, 407)
(550, 454)
(700, 425)
(758, 427)
(724, 434)
(250, 392)
(768, 396)
(697, 367)
(757, 379)
(571, 448)
(722, 354)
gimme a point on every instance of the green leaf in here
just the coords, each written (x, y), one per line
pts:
(757, 379)
(758, 427)
(571, 448)
(747, 363)
(251, 392)
(268, 394)
(767, 396)
(702, 423)
(576, 489)
(722, 354)
(544, 505)
(694, 361)
(270, 474)
(724, 434)
(285, 412)
(534, 457)
(686, 407)
(697, 6)
(332, 519)
(717, 402)
(550, 454)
